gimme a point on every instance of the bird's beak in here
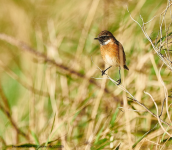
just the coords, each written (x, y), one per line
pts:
(96, 38)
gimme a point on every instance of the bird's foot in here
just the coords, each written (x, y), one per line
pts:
(118, 82)
(103, 72)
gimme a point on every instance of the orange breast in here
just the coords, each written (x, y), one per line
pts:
(113, 54)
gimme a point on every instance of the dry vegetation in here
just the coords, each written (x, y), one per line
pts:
(51, 90)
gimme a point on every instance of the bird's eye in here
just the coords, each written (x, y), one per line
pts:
(104, 37)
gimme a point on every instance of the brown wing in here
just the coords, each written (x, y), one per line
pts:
(122, 56)
(122, 53)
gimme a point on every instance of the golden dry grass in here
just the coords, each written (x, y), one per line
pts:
(47, 91)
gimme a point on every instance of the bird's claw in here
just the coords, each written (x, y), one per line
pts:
(103, 72)
(118, 82)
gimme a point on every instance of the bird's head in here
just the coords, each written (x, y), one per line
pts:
(104, 37)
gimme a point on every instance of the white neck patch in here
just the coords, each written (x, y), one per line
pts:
(107, 42)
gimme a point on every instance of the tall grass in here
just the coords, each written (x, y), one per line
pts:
(50, 87)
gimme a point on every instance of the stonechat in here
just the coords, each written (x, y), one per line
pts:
(112, 51)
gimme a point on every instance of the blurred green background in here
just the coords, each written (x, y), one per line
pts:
(47, 102)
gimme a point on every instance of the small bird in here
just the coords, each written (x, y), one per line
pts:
(112, 51)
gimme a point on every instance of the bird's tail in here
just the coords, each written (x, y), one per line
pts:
(125, 67)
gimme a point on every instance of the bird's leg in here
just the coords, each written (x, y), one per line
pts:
(103, 71)
(119, 81)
